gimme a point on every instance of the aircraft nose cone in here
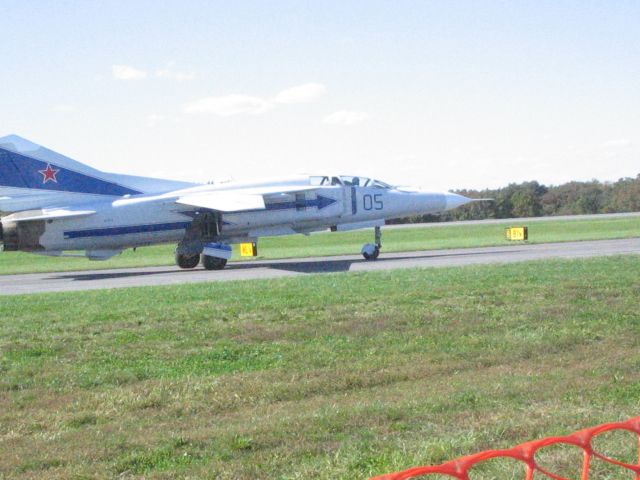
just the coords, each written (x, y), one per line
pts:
(454, 200)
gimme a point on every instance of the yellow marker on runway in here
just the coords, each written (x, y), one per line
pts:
(516, 233)
(249, 249)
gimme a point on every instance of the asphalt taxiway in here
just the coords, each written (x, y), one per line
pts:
(265, 269)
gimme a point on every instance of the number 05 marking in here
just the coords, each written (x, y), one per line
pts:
(372, 202)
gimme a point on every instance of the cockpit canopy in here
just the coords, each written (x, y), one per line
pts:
(349, 181)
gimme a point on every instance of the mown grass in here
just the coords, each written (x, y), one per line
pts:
(394, 240)
(337, 376)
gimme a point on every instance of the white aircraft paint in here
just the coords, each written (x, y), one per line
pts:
(57, 205)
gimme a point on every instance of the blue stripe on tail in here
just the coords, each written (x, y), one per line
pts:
(21, 171)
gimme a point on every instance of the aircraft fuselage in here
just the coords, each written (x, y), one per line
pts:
(152, 219)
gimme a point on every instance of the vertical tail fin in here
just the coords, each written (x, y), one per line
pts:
(32, 176)
(27, 166)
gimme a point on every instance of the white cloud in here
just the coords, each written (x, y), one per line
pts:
(125, 72)
(228, 105)
(239, 104)
(305, 93)
(63, 108)
(175, 75)
(617, 143)
(154, 119)
(345, 117)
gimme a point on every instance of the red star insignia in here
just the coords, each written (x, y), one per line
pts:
(49, 174)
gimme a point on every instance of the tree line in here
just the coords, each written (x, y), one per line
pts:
(532, 199)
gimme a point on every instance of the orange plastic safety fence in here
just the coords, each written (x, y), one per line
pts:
(459, 469)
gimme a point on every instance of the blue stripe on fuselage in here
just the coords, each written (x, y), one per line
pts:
(320, 202)
(21, 171)
(128, 230)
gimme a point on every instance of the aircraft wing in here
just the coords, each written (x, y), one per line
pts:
(224, 201)
(238, 200)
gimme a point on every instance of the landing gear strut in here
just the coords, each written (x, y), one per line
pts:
(371, 251)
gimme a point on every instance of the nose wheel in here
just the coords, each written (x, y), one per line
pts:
(371, 251)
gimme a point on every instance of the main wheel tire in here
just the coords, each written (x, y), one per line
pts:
(187, 261)
(213, 263)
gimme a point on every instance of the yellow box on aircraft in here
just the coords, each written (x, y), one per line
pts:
(516, 233)
(249, 249)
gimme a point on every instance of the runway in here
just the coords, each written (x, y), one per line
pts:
(148, 276)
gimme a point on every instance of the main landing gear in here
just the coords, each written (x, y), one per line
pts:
(213, 256)
(371, 251)
(187, 261)
(213, 263)
(208, 262)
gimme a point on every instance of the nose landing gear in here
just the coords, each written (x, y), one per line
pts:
(371, 251)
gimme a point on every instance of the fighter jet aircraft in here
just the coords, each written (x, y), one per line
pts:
(56, 206)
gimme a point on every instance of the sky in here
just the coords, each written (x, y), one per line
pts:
(439, 94)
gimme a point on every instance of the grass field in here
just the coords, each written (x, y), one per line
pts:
(394, 240)
(338, 376)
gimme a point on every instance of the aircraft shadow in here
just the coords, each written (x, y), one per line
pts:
(336, 265)
(107, 275)
(302, 266)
